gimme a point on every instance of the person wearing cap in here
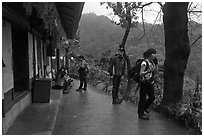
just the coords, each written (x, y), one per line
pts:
(148, 69)
(116, 71)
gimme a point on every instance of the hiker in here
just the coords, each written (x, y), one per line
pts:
(60, 78)
(116, 71)
(67, 81)
(67, 84)
(148, 69)
(83, 71)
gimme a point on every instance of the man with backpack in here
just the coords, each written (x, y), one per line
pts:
(147, 71)
(116, 70)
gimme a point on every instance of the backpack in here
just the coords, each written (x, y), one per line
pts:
(135, 70)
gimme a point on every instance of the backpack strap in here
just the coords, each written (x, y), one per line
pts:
(147, 64)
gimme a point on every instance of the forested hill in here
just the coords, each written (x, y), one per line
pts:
(99, 35)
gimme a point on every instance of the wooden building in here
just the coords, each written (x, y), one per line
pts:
(32, 34)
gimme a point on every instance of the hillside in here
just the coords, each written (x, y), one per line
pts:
(99, 35)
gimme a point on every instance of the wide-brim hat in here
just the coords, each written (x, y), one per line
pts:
(81, 57)
(149, 52)
(121, 49)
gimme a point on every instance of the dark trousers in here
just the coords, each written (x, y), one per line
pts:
(83, 82)
(116, 84)
(145, 89)
(67, 84)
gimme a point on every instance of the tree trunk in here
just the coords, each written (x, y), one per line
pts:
(127, 59)
(127, 30)
(123, 46)
(177, 50)
(128, 88)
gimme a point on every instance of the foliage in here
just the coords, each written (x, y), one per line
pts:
(125, 10)
(189, 110)
(100, 35)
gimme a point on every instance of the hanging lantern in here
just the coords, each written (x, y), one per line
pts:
(28, 6)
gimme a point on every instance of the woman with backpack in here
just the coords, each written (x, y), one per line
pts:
(83, 72)
(148, 68)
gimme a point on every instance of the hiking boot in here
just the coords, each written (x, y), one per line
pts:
(79, 89)
(125, 98)
(65, 92)
(147, 111)
(117, 101)
(144, 117)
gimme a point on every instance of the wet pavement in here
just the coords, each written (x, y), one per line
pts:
(91, 112)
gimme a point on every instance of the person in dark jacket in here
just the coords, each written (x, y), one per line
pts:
(60, 78)
(83, 72)
(116, 71)
(147, 72)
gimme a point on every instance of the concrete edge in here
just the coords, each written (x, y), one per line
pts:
(44, 133)
(57, 102)
(53, 107)
(10, 117)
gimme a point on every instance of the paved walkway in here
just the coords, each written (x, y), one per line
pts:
(91, 112)
(37, 118)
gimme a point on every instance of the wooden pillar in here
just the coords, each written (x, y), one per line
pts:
(58, 59)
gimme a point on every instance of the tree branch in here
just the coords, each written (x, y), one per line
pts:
(189, 6)
(145, 5)
(156, 19)
(197, 11)
(196, 40)
(151, 30)
(144, 27)
(162, 6)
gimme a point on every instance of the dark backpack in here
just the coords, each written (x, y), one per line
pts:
(135, 70)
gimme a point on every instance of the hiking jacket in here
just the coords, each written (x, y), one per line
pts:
(117, 66)
(83, 71)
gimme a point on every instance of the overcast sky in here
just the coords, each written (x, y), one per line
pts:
(150, 13)
(95, 7)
